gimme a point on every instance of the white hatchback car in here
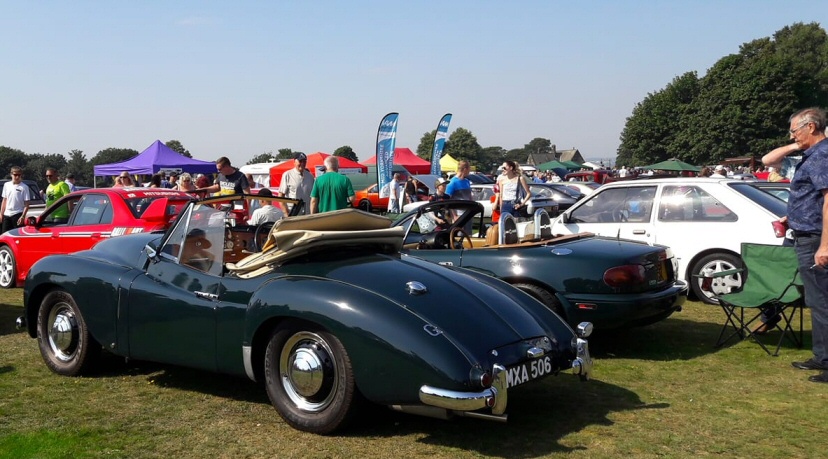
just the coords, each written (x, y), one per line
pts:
(703, 220)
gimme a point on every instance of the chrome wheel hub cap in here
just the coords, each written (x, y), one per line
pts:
(308, 371)
(63, 332)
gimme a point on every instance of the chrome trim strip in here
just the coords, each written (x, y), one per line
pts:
(247, 356)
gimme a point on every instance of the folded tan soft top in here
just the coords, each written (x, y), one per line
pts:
(298, 236)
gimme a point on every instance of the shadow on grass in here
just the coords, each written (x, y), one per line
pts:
(675, 339)
(182, 378)
(8, 314)
(541, 415)
(671, 339)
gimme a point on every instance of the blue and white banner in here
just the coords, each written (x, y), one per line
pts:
(439, 144)
(386, 138)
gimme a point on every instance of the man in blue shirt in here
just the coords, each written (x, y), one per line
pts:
(808, 218)
(460, 186)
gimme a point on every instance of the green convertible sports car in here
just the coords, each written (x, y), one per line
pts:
(327, 314)
(610, 282)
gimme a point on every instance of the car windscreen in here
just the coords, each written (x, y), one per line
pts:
(767, 201)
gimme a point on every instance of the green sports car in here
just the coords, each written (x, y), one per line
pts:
(322, 308)
(610, 282)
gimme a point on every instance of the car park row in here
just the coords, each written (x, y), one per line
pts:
(437, 313)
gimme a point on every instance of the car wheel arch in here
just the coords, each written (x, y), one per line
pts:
(690, 271)
(542, 293)
(36, 297)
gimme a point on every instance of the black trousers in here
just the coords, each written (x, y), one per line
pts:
(10, 222)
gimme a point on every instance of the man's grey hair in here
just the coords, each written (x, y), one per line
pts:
(814, 115)
(332, 163)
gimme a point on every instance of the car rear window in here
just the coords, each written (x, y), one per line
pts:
(763, 199)
(138, 205)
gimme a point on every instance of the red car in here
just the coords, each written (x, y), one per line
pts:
(368, 199)
(80, 220)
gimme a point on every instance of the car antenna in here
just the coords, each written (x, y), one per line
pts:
(618, 234)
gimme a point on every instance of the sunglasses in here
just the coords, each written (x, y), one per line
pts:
(16, 174)
(50, 175)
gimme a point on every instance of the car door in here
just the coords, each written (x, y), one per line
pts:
(45, 237)
(89, 221)
(690, 219)
(623, 212)
(172, 308)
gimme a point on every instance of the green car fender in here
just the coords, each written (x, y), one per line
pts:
(94, 295)
(392, 353)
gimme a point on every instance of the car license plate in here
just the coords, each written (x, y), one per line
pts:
(528, 371)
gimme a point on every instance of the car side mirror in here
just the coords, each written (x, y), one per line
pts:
(31, 221)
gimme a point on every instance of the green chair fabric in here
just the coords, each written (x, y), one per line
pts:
(772, 284)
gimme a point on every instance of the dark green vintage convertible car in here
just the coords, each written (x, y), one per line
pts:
(327, 314)
(609, 282)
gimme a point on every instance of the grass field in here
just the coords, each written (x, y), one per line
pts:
(658, 391)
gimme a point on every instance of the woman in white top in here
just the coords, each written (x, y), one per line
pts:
(511, 199)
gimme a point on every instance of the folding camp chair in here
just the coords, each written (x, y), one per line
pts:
(771, 284)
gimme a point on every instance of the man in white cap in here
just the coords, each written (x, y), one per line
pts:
(718, 172)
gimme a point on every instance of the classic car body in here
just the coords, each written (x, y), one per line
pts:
(80, 220)
(609, 282)
(327, 314)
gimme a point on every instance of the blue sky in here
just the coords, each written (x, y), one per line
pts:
(242, 78)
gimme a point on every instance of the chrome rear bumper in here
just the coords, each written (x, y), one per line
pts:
(492, 397)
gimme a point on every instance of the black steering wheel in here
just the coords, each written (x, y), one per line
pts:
(262, 231)
(458, 236)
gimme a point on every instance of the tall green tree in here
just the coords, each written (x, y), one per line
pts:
(490, 158)
(10, 157)
(538, 145)
(426, 145)
(518, 155)
(285, 153)
(176, 146)
(80, 167)
(463, 145)
(739, 108)
(113, 155)
(267, 157)
(649, 135)
(347, 152)
(37, 163)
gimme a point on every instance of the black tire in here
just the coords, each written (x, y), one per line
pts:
(544, 296)
(65, 343)
(715, 262)
(309, 378)
(8, 268)
(365, 205)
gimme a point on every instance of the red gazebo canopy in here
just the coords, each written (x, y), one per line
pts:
(406, 158)
(316, 162)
